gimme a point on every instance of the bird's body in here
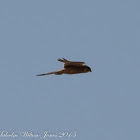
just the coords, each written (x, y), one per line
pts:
(70, 67)
(75, 69)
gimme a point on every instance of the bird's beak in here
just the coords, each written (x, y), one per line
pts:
(90, 70)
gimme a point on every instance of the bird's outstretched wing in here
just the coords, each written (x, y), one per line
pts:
(68, 63)
(54, 72)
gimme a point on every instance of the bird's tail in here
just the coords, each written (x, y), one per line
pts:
(54, 72)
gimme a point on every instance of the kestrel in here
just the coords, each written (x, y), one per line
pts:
(70, 67)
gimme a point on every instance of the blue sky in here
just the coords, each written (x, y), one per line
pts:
(100, 105)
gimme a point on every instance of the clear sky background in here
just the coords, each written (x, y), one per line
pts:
(102, 105)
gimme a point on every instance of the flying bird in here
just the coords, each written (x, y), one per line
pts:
(70, 67)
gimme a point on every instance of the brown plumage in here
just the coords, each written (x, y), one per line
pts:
(70, 67)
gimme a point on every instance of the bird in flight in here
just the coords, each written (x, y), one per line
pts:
(70, 67)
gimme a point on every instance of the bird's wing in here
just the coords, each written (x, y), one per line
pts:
(67, 63)
(54, 72)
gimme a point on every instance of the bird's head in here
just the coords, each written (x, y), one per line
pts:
(90, 69)
(87, 69)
